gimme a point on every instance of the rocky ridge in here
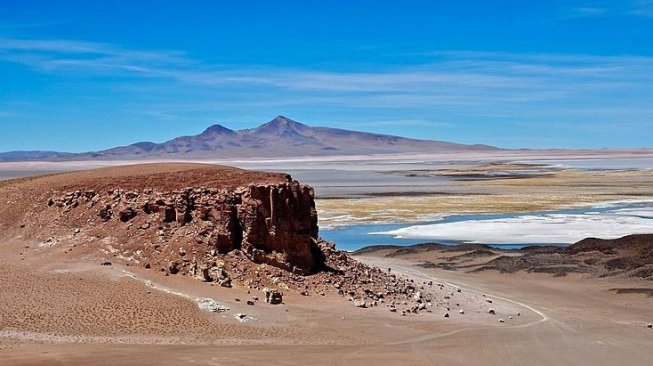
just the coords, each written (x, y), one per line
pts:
(273, 224)
(628, 257)
(263, 237)
(255, 236)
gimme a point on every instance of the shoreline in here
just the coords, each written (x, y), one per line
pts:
(385, 233)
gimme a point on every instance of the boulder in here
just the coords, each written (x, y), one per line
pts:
(272, 296)
(173, 267)
(360, 303)
(106, 213)
(126, 214)
(211, 305)
(219, 274)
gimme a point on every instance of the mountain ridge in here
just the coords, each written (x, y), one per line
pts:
(280, 137)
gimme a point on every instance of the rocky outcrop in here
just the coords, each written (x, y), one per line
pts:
(273, 224)
(628, 256)
(279, 226)
(251, 230)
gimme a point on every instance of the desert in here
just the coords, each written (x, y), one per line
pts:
(83, 286)
(326, 183)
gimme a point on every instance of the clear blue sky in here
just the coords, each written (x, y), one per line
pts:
(87, 75)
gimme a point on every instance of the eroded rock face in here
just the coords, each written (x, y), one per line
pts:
(279, 226)
(273, 224)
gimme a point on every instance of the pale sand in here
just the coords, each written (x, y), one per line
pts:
(66, 312)
(56, 310)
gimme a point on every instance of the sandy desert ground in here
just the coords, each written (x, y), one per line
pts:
(61, 308)
(61, 312)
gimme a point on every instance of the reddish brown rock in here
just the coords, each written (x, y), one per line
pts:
(279, 226)
(274, 224)
(127, 214)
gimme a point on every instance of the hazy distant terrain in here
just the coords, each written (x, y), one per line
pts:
(281, 137)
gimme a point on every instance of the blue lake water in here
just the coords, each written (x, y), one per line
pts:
(358, 236)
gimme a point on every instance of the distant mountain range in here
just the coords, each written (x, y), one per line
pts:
(281, 137)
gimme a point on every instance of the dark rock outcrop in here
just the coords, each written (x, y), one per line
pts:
(279, 226)
(274, 224)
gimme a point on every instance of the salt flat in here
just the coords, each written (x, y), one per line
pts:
(112, 317)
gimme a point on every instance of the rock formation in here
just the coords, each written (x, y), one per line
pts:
(273, 224)
(220, 225)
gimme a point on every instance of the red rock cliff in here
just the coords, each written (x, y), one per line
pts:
(274, 224)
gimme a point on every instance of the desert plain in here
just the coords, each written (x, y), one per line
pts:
(72, 294)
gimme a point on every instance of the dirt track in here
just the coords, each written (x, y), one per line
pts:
(58, 307)
(562, 321)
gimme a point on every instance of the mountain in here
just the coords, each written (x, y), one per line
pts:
(33, 155)
(281, 137)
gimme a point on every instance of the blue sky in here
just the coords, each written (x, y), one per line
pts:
(82, 75)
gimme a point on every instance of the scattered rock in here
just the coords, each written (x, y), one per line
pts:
(105, 262)
(220, 275)
(491, 311)
(127, 214)
(173, 267)
(217, 235)
(211, 305)
(272, 296)
(106, 213)
(360, 304)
